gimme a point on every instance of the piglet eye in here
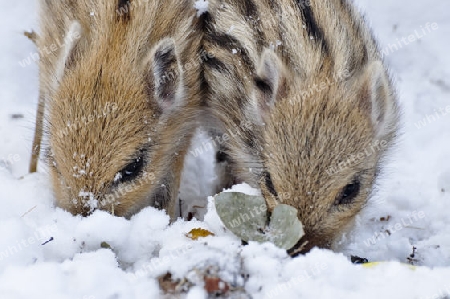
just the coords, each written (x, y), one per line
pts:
(263, 85)
(131, 171)
(348, 193)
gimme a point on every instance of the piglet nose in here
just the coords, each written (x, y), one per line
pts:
(302, 247)
(89, 201)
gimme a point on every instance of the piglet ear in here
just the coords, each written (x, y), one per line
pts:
(66, 58)
(268, 80)
(269, 87)
(379, 100)
(167, 74)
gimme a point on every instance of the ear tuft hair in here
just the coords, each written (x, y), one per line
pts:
(66, 57)
(267, 82)
(379, 97)
(167, 74)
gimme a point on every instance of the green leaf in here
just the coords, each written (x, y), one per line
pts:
(244, 215)
(285, 228)
(247, 217)
(105, 245)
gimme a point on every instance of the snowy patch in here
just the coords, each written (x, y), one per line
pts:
(89, 200)
(201, 6)
(117, 177)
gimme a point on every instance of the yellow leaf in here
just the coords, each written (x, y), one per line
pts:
(374, 264)
(196, 233)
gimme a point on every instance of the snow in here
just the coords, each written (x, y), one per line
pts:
(412, 202)
(117, 177)
(201, 6)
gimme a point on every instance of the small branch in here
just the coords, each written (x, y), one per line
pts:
(28, 211)
(31, 35)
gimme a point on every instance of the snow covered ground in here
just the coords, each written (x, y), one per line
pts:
(411, 209)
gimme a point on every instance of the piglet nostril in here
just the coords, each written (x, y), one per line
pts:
(221, 157)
